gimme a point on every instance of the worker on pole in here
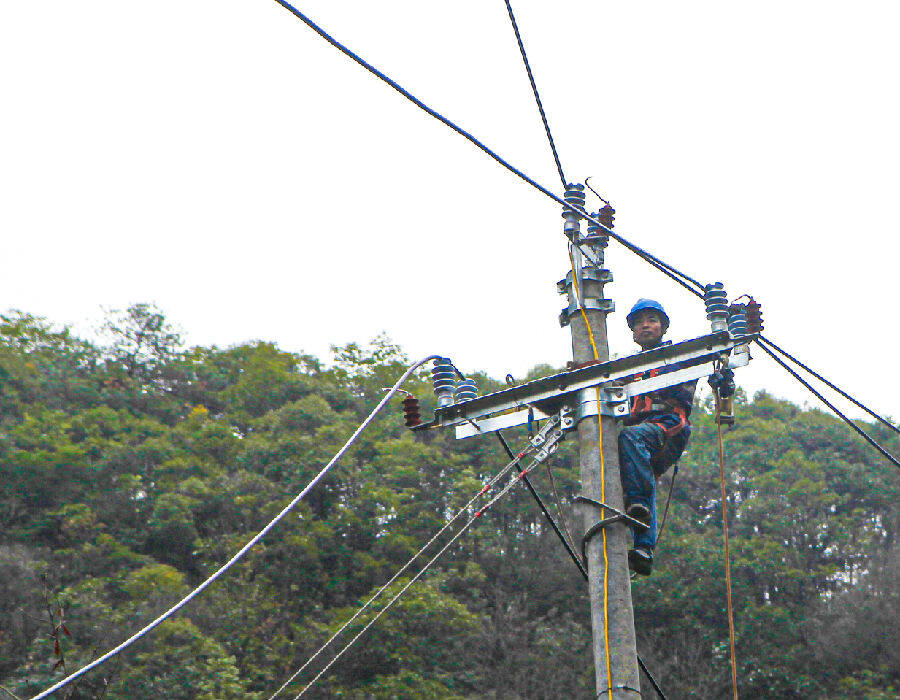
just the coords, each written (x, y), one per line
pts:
(655, 434)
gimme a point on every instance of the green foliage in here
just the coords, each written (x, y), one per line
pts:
(132, 469)
(182, 664)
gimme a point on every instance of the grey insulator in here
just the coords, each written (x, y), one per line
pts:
(466, 390)
(575, 197)
(575, 194)
(716, 300)
(443, 376)
(737, 324)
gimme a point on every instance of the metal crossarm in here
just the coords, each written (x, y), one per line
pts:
(543, 397)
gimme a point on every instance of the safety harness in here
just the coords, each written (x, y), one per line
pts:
(646, 405)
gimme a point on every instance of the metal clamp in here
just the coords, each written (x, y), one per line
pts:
(589, 304)
(618, 687)
(588, 274)
(551, 434)
(613, 402)
(592, 302)
(618, 516)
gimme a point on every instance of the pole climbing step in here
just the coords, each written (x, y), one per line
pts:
(618, 516)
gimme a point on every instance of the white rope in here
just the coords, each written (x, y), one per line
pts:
(243, 550)
(400, 571)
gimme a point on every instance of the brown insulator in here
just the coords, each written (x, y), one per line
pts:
(607, 216)
(411, 411)
(754, 317)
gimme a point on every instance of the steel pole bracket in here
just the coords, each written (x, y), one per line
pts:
(613, 402)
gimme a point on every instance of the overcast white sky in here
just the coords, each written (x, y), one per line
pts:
(221, 160)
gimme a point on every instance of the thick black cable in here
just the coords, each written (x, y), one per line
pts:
(650, 678)
(543, 507)
(829, 384)
(537, 96)
(575, 558)
(830, 405)
(664, 267)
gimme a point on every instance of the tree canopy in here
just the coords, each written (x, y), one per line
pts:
(132, 466)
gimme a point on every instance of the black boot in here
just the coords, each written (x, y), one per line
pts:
(639, 512)
(640, 561)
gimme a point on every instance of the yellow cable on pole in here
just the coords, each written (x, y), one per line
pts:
(727, 553)
(602, 484)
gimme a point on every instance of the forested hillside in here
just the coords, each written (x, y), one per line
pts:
(131, 468)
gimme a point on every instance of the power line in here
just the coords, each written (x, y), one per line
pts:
(243, 550)
(660, 265)
(830, 405)
(830, 384)
(537, 96)
(515, 460)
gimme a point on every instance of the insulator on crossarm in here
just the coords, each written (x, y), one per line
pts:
(737, 321)
(716, 301)
(575, 197)
(411, 411)
(466, 390)
(754, 317)
(443, 376)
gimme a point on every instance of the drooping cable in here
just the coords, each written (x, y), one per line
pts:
(862, 433)
(537, 96)
(515, 459)
(727, 551)
(543, 508)
(667, 269)
(822, 379)
(650, 678)
(506, 489)
(243, 550)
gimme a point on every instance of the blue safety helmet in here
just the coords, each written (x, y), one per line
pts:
(642, 305)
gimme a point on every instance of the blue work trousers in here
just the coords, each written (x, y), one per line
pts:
(637, 445)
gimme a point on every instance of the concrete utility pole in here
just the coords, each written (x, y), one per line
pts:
(616, 671)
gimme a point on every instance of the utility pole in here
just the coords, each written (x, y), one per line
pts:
(612, 615)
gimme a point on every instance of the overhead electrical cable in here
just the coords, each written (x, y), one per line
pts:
(662, 266)
(868, 438)
(537, 95)
(822, 379)
(508, 487)
(515, 460)
(243, 550)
